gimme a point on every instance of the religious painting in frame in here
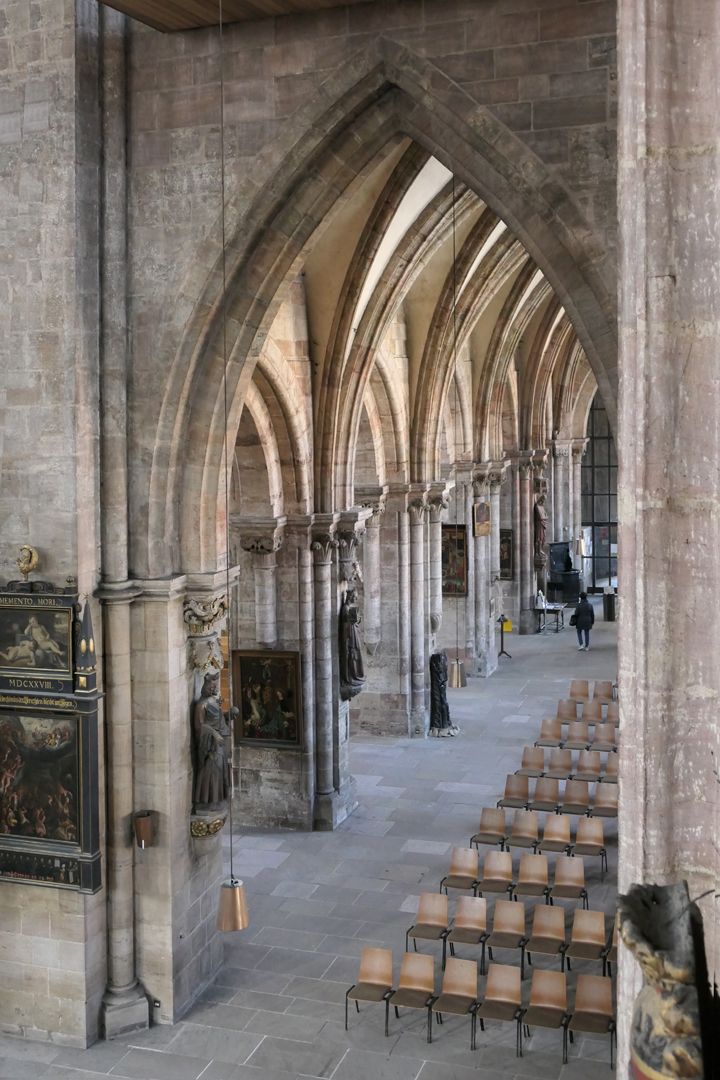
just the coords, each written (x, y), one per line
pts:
(454, 560)
(36, 642)
(506, 554)
(40, 776)
(268, 687)
(481, 519)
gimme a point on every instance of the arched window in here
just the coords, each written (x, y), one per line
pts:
(599, 502)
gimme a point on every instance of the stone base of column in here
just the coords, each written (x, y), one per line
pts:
(486, 665)
(124, 1011)
(419, 723)
(332, 808)
(527, 623)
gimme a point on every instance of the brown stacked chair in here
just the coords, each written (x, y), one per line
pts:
(548, 933)
(496, 873)
(605, 803)
(611, 949)
(546, 794)
(605, 737)
(463, 872)
(533, 762)
(587, 940)
(578, 736)
(508, 931)
(603, 690)
(610, 772)
(548, 1004)
(592, 712)
(492, 828)
(580, 690)
(516, 791)
(561, 766)
(532, 879)
(431, 922)
(550, 733)
(458, 994)
(593, 1012)
(569, 883)
(590, 840)
(416, 986)
(374, 980)
(524, 830)
(566, 711)
(588, 766)
(503, 999)
(556, 834)
(469, 925)
(576, 797)
(612, 713)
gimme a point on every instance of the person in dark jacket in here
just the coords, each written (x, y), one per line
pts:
(584, 619)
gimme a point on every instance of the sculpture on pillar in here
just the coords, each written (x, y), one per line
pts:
(541, 520)
(212, 731)
(352, 671)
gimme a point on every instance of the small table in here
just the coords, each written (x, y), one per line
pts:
(556, 610)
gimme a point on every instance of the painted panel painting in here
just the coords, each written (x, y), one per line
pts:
(39, 777)
(35, 641)
(481, 519)
(454, 560)
(269, 695)
(506, 554)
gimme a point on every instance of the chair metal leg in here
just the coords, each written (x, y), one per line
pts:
(522, 962)
(357, 1006)
(529, 959)
(612, 1047)
(444, 952)
(414, 944)
(346, 1008)
(473, 1031)
(565, 1047)
(429, 1025)
(407, 932)
(482, 959)
(397, 1013)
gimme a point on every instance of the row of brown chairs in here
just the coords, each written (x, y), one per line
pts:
(546, 795)
(501, 1000)
(603, 690)
(605, 737)
(591, 712)
(532, 878)
(525, 833)
(560, 765)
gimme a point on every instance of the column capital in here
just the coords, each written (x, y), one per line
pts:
(481, 478)
(438, 500)
(324, 540)
(417, 502)
(261, 536)
(578, 447)
(373, 499)
(561, 448)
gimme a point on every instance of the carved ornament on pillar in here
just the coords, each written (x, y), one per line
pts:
(204, 653)
(323, 545)
(417, 508)
(437, 504)
(201, 614)
(561, 449)
(578, 447)
(495, 478)
(480, 481)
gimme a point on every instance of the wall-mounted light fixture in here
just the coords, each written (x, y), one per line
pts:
(144, 825)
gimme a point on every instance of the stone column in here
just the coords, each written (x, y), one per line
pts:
(324, 548)
(263, 541)
(372, 581)
(525, 546)
(468, 602)
(481, 547)
(399, 502)
(417, 509)
(669, 442)
(578, 449)
(562, 499)
(495, 478)
(438, 506)
(297, 533)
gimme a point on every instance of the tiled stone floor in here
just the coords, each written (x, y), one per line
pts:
(276, 1009)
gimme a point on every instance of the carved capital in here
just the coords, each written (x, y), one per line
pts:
(417, 508)
(324, 545)
(438, 504)
(200, 614)
(561, 450)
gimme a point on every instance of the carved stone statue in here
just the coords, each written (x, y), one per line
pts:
(541, 520)
(211, 740)
(440, 722)
(352, 671)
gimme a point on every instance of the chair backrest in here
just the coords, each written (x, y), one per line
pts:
(525, 825)
(547, 789)
(516, 787)
(611, 765)
(550, 728)
(580, 689)
(509, 917)
(577, 792)
(417, 972)
(548, 922)
(492, 821)
(464, 862)
(504, 984)
(603, 689)
(533, 757)
(589, 761)
(590, 831)
(557, 828)
(471, 913)
(497, 866)
(560, 760)
(460, 978)
(578, 732)
(593, 994)
(567, 709)
(533, 870)
(605, 733)
(433, 909)
(376, 967)
(589, 928)
(570, 872)
(592, 711)
(612, 714)
(606, 796)
(549, 989)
